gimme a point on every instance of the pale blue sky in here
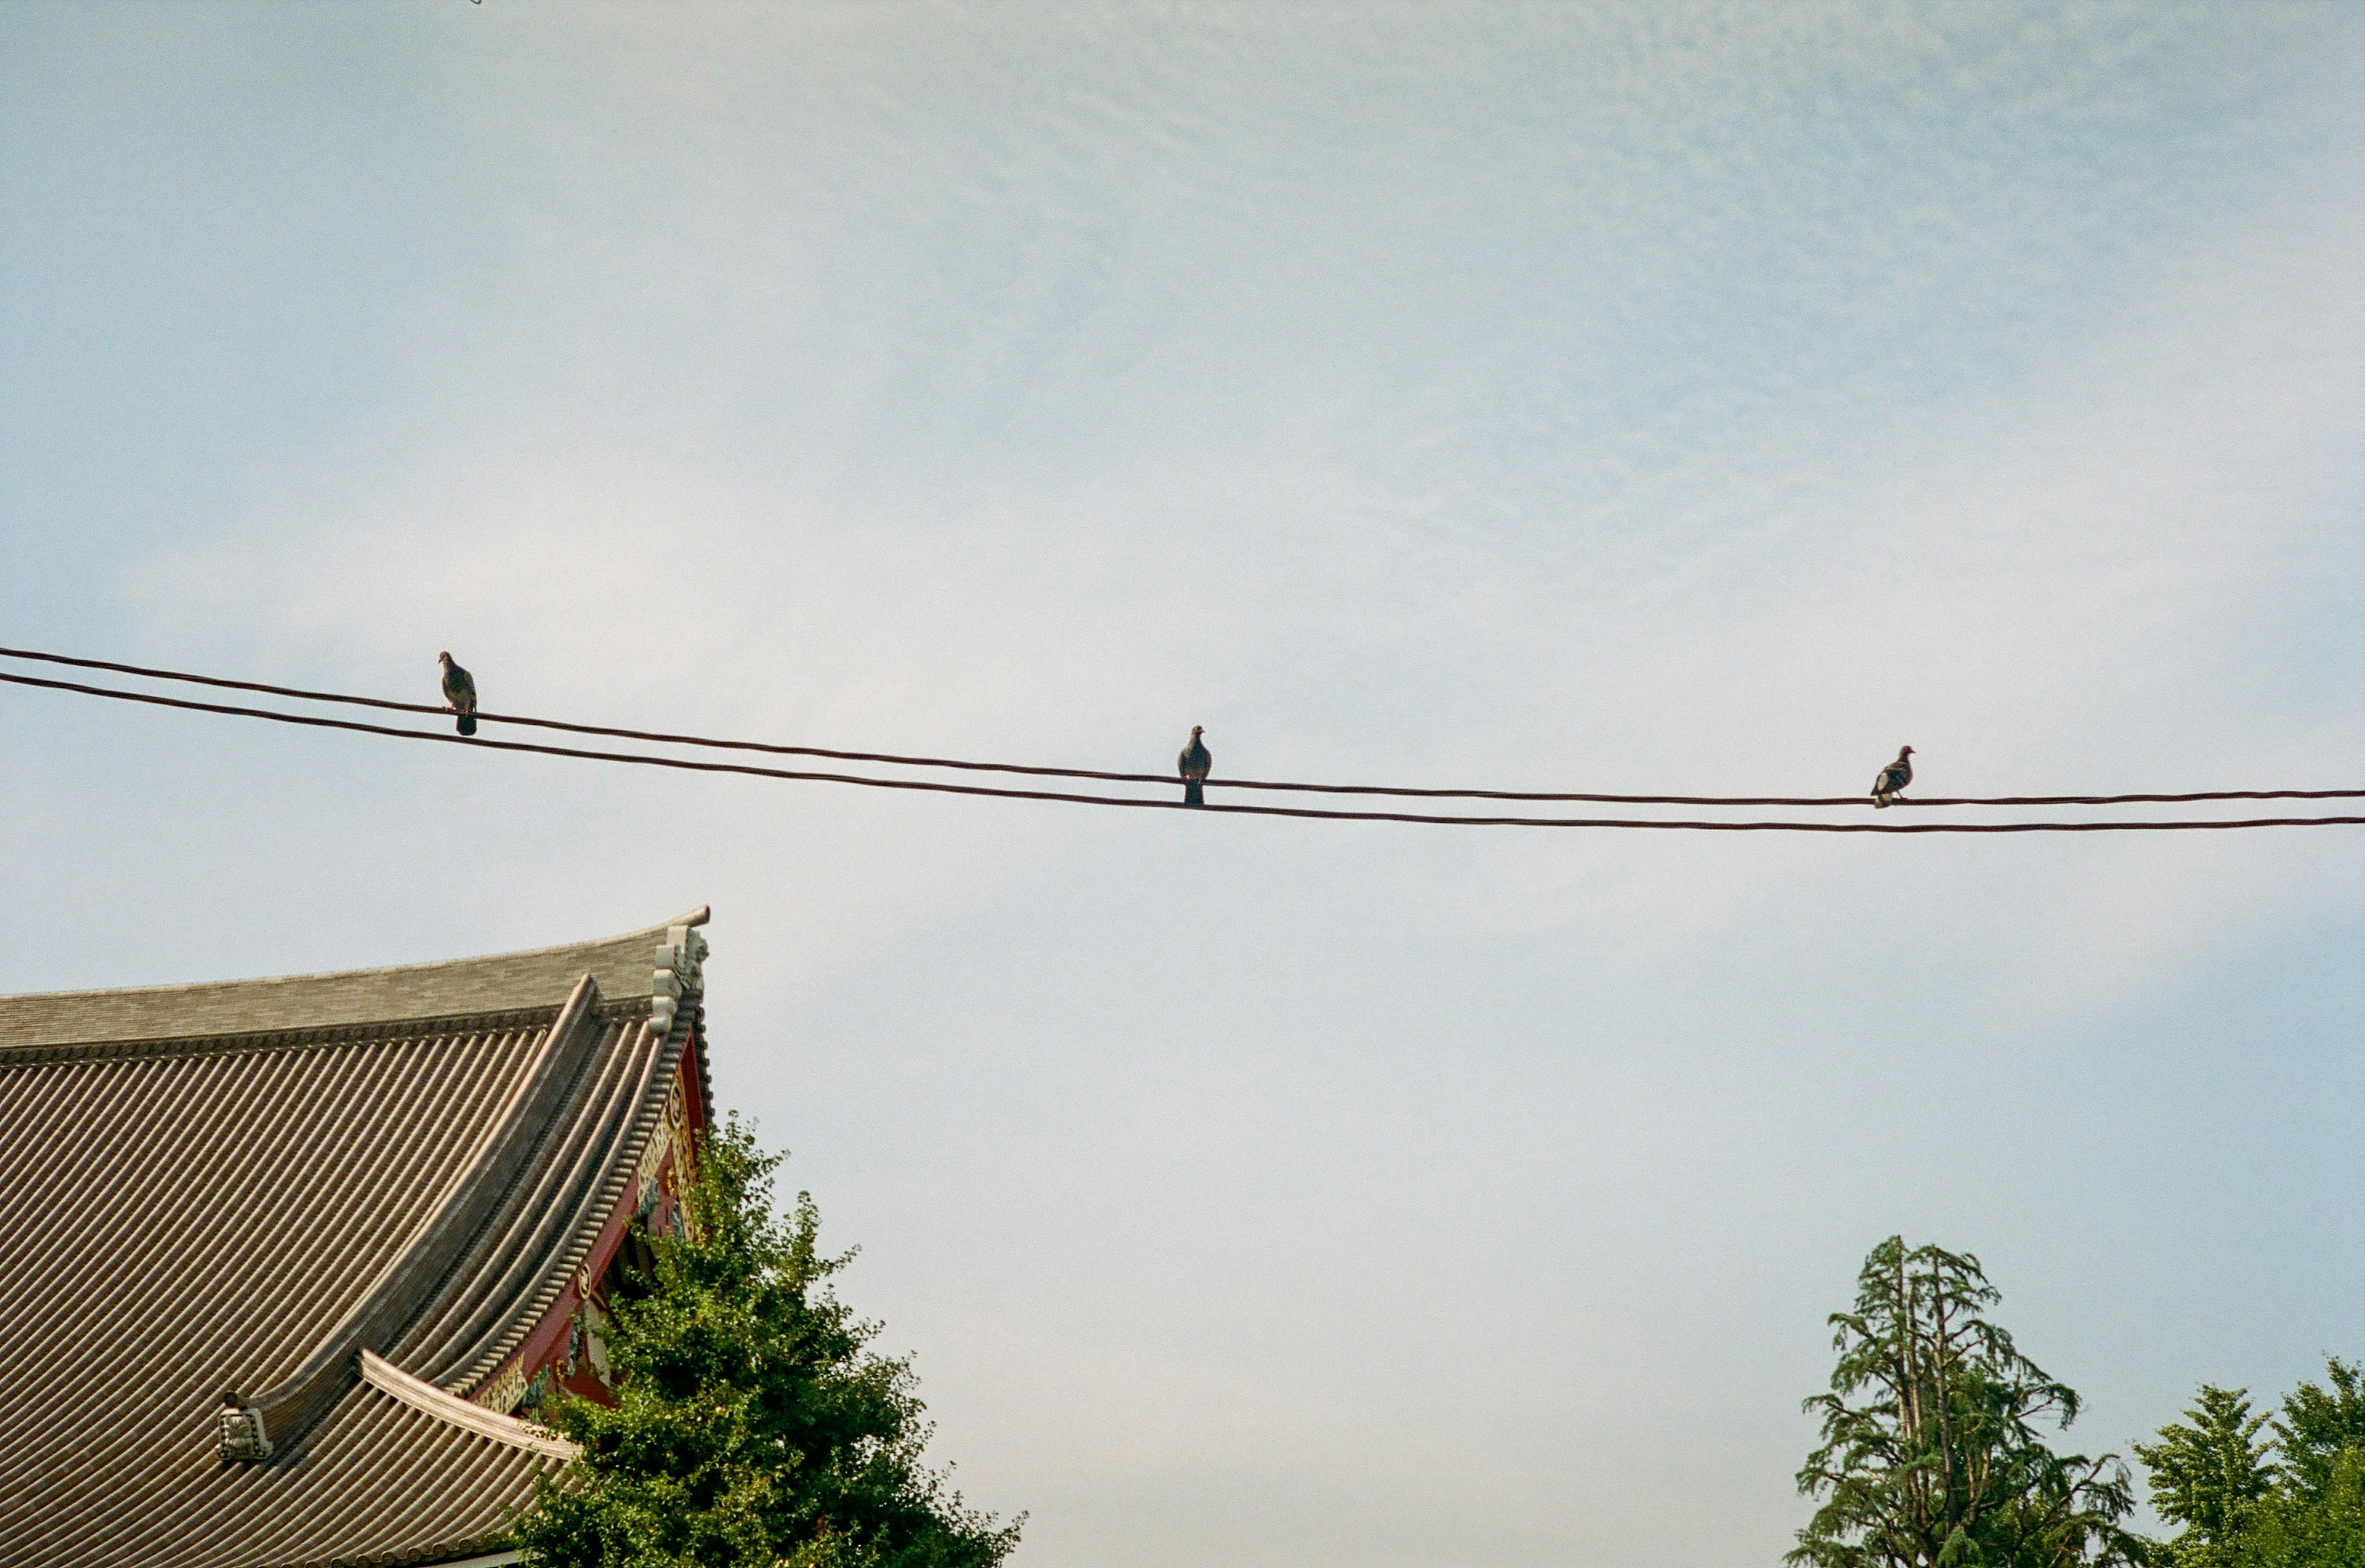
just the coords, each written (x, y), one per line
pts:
(1643, 396)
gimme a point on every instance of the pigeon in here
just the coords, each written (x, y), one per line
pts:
(460, 691)
(1893, 778)
(1194, 765)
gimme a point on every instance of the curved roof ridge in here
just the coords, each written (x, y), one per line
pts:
(566, 1247)
(493, 1289)
(452, 1410)
(410, 1278)
(453, 988)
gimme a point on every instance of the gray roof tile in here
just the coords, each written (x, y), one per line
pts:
(466, 986)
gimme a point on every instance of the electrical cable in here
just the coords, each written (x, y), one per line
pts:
(889, 760)
(938, 786)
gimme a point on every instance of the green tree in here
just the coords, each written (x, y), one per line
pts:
(2310, 1511)
(2319, 1425)
(2323, 1530)
(752, 1425)
(1932, 1456)
(2210, 1476)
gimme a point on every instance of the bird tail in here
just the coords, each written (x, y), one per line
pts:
(468, 724)
(1191, 795)
(1879, 801)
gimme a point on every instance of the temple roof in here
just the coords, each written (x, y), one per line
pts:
(462, 987)
(348, 1197)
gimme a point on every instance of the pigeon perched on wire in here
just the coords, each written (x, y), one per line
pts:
(1893, 778)
(1194, 765)
(460, 691)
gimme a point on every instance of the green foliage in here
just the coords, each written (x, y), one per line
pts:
(2319, 1429)
(2296, 1503)
(2210, 1475)
(753, 1426)
(1931, 1455)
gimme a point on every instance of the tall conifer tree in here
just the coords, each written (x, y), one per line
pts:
(1931, 1455)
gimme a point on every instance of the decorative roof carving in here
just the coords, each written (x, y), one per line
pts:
(680, 973)
(239, 1427)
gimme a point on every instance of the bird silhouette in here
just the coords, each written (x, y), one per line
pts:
(460, 691)
(1893, 778)
(1194, 765)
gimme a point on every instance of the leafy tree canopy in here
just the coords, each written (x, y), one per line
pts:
(2320, 1427)
(1932, 1452)
(2294, 1500)
(2209, 1471)
(752, 1425)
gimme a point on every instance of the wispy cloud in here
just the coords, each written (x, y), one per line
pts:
(1650, 397)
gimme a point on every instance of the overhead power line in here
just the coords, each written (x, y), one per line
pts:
(938, 786)
(891, 760)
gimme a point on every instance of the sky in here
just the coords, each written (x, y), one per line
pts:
(1637, 398)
